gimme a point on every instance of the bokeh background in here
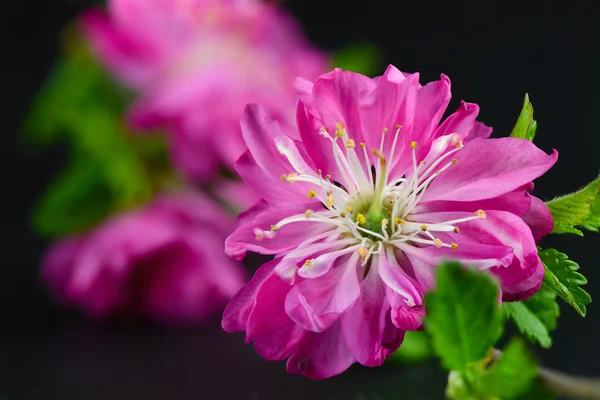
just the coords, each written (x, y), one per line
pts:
(492, 51)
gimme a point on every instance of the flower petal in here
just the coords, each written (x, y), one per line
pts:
(321, 355)
(393, 275)
(538, 218)
(488, 168)
(235, 316)
(364, 324)
(315, 304)
(132, 61)
(244, 238)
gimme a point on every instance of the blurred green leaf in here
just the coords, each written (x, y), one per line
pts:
(463, 318)
(362, 58)
(76, 200)
(111, 168)
(562, 277)
(536, 317)
(512, 375)
(579, 209)
(415, 348)
(526, 126)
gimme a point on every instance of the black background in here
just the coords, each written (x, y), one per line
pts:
(493, 52)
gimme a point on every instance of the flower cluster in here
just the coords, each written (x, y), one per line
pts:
(196, 64)
(164, 262)
(362, 208)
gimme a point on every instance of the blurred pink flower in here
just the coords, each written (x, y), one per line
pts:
(197, 63)
(165, 262)
(360, 212)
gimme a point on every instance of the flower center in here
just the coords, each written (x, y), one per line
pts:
(367, 208)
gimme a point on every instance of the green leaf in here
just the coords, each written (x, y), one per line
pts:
(75, 201)
(415, 348)
(463, 318)
(562, 277)
(111, 169)
(362, 58)
(535, 317)
(526, 126)
(579, 209)
(512, 375)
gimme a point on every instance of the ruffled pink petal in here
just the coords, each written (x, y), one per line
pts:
(263, 167)
(394, 276)
(244, 237)
(432, 101)
(163, 23)
(133, 62)
(489, 168)
(321, 355)
(538, 218)
(176, 286)
(425, 260)
(526, 288)
(364, 324)
(403, 316)
(235, 316)
(279, 343)
(315, 304)
(463, 122)
(269, 313)
(516, 202)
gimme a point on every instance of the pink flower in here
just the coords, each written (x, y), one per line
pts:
(361, 210)
(165, 262)
(197, 63)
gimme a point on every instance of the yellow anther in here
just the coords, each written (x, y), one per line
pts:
(454, 161)
(360, 219)
(339, 126)
(456, 230)
(377, 153)
(401, 221)
(291, 178)
(398, 126)
(454, 246)
(350, 144)
(424, 228)
(308, 213)
(328, 176)
(330, 200)
(274, 228)
(308, 262)
(438, 242)
(349, 209)
(343, 214)
(413, 145)
(385, 130)
(283, 178)
(363, 252)
(481, 214)
(397, 220)
(384, 224)
(311, 194)
(362, 144)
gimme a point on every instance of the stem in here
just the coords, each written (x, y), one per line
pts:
(571, 386)
(574, 387)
